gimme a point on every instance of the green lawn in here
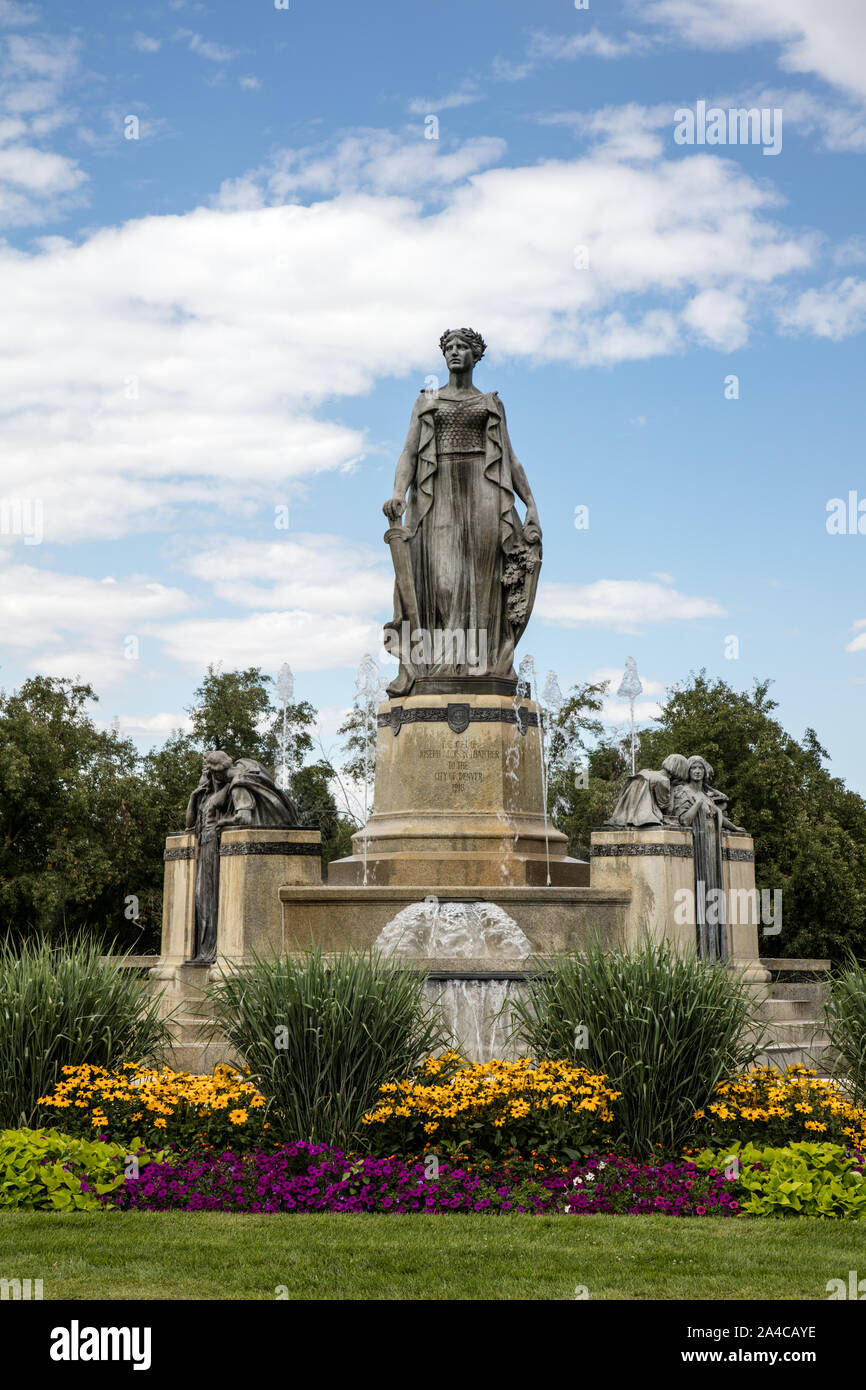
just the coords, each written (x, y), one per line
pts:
(180, 1255)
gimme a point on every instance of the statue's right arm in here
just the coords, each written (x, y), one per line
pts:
(404, 474)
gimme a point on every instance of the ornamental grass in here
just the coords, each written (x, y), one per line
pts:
(845, 1022)
(321, 1034)
(489, 1107)
(662, 1025)
(59, 1004)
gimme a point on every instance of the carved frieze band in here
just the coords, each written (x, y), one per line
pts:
(457, 716)
(187, 852)
(672, 851)
(271, 847)
(626, 851)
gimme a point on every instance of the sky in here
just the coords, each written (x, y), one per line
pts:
(233, 234)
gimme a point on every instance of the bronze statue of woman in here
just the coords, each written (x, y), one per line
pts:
(466, 565)
(699, 807)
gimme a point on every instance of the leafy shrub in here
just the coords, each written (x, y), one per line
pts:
(664, 1027)
(766, 1106)
(320, 1034)
(797, 1180)
(59, 1005)
(845, 1022)
(163, 1107)
(491, 1107)
(45, 1170)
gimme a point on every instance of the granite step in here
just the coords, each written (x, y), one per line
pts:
(789, 1008)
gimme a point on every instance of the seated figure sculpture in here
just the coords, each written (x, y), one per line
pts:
(230, 795)
(647, 797)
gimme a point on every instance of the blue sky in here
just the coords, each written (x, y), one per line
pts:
(231, 313)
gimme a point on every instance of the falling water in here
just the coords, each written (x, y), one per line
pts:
(285, 687)
(368, 690)
(477, 1013)
(475, 1010)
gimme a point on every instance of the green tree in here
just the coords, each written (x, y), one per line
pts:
(69, 812)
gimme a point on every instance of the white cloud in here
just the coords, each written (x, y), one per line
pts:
(153, 727)
(13, 14)
(619, 711)
(628, 132)
(35, 184)
(622, 605)
(145, 44)
(213, 337)
(313, 573)
(857, 644)
(592, 44)
(61, 623)
(827, 39)
(250, 83)
(375, 161)
(464, 95)
(719, 319)
(206, 48)
(316, 642)
(835, 311)
(851, 251)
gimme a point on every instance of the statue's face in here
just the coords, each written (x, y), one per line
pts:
(696, 773)
(458, 354)
(218, 771)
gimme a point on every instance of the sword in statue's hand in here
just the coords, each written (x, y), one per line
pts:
(398, 538)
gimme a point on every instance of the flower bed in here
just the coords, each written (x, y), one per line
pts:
(548, 1107)
(769, 1107)
(159, 1108)
(499, 1137)
(314, 1178)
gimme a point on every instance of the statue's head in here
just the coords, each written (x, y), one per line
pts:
(217, 764)
(461, 348)
(699, 771)
(675, 765)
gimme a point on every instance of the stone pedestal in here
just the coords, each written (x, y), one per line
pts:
(655, 863)
(254, 865)
(458, 799)
(178, 897)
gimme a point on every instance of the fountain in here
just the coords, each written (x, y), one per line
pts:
(457, 871)
(459, 812)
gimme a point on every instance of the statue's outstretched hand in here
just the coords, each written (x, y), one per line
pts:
(393, 509)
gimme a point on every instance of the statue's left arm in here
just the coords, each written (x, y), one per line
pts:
(242, 804)
(520, 484)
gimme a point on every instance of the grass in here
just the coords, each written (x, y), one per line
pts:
(181, 1255)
